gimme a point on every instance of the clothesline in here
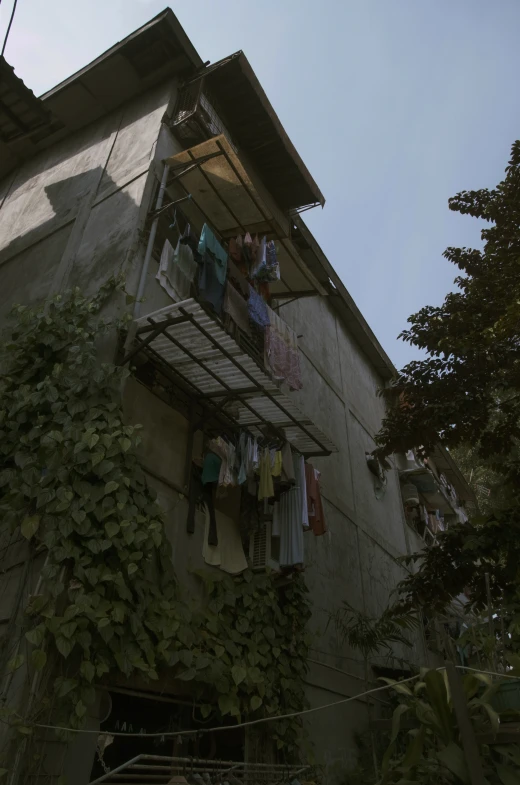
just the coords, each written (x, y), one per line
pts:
(261, 720)
(274, 477)
(234, 283)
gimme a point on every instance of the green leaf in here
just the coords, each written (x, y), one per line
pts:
(205, 710)
(396, 720)
(39, 659)
(112, 528)
(64, 646)
(256, 702)
(132, 568)
(36, 635)
(453, 758)
(187, 675)
(30, 526)
(225, 704)
(436, 689)
(111, 486)
(87, 670)
(96, 458)
(80, 709)
(15, 663)
(239, 673)
(64, 686)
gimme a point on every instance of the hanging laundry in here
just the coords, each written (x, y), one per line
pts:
(247, 256)
(266, 266)
(290, 518)
(210, 248)
(258, 312)
(211, 290)
(287, 465)
(235, 250)
(272, 264)
(236, 308)
(211, 468)
(282, 354)
(213, 269)
(177, 270)
(238, 279)
(229, 553)
(314, 502)
(226, 451)
(265, 485)
(276, 468)
(258, 261)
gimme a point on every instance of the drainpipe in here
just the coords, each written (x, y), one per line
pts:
(151, 240)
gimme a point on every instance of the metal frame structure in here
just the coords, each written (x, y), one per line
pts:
(183, 168)
(190, 341)
(145, 769)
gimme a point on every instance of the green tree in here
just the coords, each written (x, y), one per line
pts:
(466, 391)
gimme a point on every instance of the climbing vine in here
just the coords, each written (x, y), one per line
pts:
(107, 600)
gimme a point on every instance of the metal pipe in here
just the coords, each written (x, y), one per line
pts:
(151, 240)
(122, 767)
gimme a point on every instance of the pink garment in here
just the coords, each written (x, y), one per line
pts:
(282, 355)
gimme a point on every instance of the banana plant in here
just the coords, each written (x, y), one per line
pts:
(429, 748)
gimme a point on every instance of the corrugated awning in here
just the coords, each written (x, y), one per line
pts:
(199, 350)
(225, 195)
(21, 112)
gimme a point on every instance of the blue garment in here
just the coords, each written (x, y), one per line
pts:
(257, 309)
(211, 249)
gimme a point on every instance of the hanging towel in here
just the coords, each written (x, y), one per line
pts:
(209, 247)
(282, 354)
(257, 308)
(177, 270)
(314, 502)
(236, 307)
(265, 486)
(290, 518)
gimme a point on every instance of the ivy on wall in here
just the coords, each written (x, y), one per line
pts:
(71, 483)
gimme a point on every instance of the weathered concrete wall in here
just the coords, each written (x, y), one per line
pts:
(72, 214)
(356, 560)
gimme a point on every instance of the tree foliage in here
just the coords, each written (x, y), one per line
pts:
(71, 484)
(465, 393)
(467, 387)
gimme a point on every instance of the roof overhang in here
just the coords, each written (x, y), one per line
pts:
(257, 129)
(340, 298)
(21, 113)
(142, 60)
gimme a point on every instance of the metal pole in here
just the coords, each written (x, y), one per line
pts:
(116, 770)
(151, 240)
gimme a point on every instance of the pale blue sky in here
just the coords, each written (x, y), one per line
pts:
(394, 105)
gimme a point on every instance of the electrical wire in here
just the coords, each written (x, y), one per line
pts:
(198, 731)
(230, 727)
(9, 27)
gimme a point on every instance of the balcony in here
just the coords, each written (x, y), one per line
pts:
(220, 368)
(194, 344)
